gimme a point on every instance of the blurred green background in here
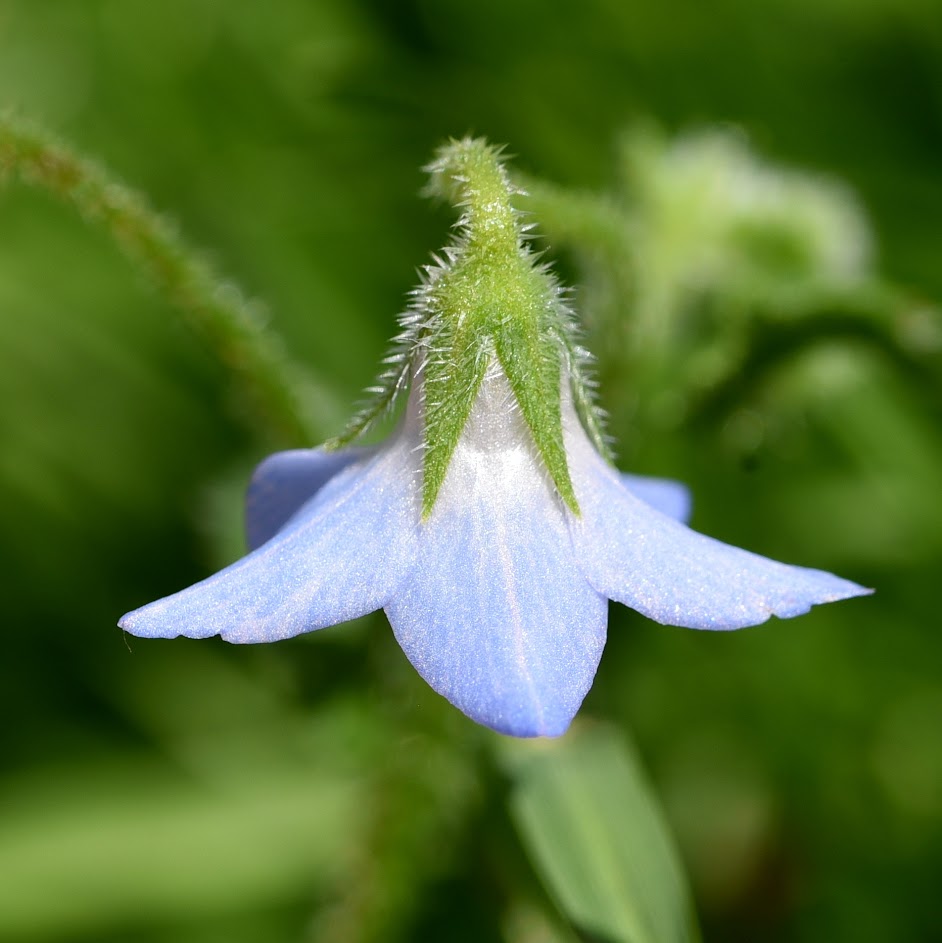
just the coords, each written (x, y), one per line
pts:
(185, 791)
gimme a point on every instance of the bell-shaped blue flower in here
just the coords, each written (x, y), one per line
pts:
(489, 526)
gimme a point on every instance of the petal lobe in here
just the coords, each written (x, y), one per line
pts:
(673, 575)
(340, 557)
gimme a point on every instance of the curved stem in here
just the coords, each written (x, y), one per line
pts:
(214, 306)
(871, 318)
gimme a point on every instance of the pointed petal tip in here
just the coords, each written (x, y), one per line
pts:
(817, 588)
(849, 589)
(137, 623)
(836, 588)
(528, 728)
(525, 718)
(809, 588)
(125, 623)
(157, 620)
(513, 706)
(129, 622)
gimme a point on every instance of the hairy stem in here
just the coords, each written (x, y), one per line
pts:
(213, 306)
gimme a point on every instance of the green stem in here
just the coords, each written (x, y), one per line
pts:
(215, 307)
(873, 317)
(585, 221)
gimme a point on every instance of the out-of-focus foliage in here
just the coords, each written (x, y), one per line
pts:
(593, 831)
(747, 196)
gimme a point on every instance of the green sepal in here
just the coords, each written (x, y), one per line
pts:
(495, 288)
(452, 373)
(381, 401)
(488, 297)
(582, 386)
(530, 355)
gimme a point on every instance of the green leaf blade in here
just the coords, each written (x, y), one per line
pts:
(595, 835)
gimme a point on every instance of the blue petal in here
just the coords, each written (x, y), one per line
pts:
(496, 615)
(674, 575)
(340, 557)
(669, 497)
(285, 481)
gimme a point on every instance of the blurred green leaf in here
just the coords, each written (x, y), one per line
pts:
(122, 845)
(596, 836)
(232, 324)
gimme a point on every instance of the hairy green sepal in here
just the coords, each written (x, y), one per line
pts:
(487, 298)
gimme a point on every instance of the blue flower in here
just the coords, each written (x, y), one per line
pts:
(499, 598)
(489, 526)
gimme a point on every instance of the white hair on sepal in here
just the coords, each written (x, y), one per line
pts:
(583, 383)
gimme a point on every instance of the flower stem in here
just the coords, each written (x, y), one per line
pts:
(213, 306)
